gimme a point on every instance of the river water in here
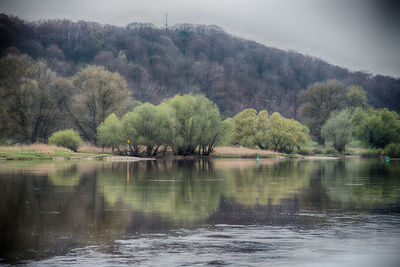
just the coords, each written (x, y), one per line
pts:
(200, 212)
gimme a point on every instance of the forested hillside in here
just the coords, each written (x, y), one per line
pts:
(159, 63)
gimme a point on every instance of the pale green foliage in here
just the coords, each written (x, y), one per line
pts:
(275, 132)
(227, 127)
(129, 131)
(67, 138)
(263, 125)
(376, 127)
(110, 133)
(244, 127)
(99, 93)
(337, 129)
(197, 123)
(192, 122)
(284, 135)
(29, 100)
(211, 129)
(187, 124)
(356, 97)
(165, 121)
(146, 128)
(184, 123)
(319, 100)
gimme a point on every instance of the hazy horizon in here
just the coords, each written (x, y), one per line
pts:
(358, 35)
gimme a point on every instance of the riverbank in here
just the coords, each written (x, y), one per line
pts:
(43, 151)
(48, 152)
(243, 152)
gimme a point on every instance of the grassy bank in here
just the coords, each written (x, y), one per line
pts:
(42, 151)
(314, 152)
(243, 152)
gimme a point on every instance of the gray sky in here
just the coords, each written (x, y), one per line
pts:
(357, 34)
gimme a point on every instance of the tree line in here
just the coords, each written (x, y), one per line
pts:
(35, 102)
(191, 124)
(331, 113)
(336, 114)
(158, 63)
(267, 132)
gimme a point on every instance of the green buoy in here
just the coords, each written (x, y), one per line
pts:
(258, 158)
(387, 158)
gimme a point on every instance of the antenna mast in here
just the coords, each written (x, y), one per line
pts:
(166, 20)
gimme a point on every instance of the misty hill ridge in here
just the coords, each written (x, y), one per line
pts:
(157, 63)
(180, 26)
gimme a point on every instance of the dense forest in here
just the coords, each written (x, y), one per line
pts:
(159, 63)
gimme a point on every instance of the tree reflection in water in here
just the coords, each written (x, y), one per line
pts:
(48, 208)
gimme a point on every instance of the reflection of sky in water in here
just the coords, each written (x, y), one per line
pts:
(309, 207)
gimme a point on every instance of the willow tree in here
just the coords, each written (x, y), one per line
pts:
(29, 98)
(147, 127)
(376, 127)
(285, 135)
(212, 127)
(197, 124)
(319, 100)
(261, 134)
(130, 133)
(337, 129)
(110, 133)
(165, 120)
(356, 97)
(227, 126)
(187, 126)
(244, 127)
(98, 94)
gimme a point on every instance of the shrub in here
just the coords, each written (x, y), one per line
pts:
(330, 151)
(109, 133)
(351, 152)
(393, 150)
(377, 127)
(305, 151)
(67, 138)
(337, 130)
(317, 150)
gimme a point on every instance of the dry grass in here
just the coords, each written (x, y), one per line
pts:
(42, 151)
(90, 148)
(37, 148)
(242, 151)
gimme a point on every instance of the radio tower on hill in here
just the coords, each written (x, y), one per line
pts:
(166, 20)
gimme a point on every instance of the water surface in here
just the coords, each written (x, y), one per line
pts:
(197, 212)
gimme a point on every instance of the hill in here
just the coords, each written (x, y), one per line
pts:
(233, 72)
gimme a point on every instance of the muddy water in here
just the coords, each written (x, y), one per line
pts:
(198, 212)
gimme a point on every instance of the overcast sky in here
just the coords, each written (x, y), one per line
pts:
(357, 34)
